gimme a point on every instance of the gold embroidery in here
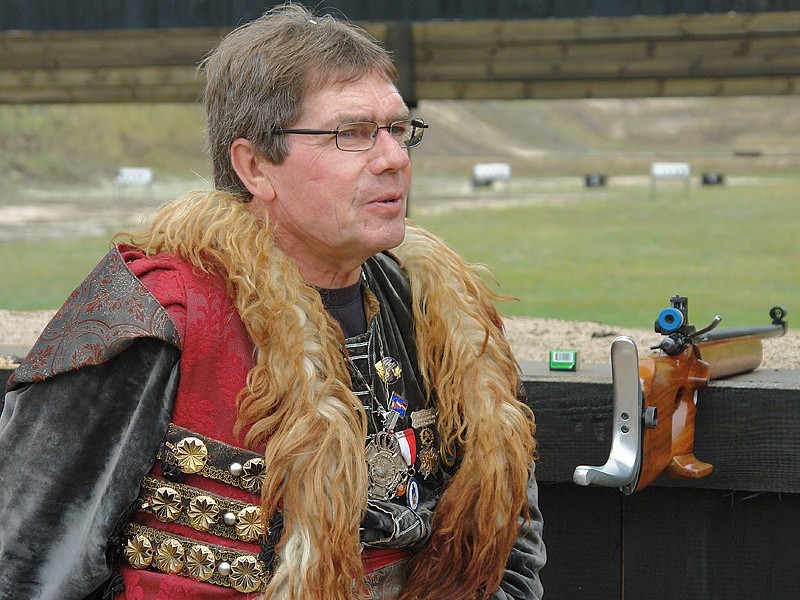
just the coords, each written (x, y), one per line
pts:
(203, 562)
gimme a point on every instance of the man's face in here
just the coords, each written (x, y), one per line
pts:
(334, 209)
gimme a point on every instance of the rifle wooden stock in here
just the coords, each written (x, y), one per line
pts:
(670, 384)
(655, 397)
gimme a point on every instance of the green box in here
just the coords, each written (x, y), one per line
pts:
(564, 360)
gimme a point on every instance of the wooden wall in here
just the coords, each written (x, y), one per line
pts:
(641, 56)
(728, 536)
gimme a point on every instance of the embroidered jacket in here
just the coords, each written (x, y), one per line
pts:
(141, 343)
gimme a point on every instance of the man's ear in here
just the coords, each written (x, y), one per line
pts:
(252, 168)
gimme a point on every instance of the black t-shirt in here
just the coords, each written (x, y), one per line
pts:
(346, 305)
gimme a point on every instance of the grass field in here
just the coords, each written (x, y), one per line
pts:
(611, 254)
(617, 256)
(40, 275)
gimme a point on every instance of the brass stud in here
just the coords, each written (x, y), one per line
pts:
(166, 503)
(200, 562)
(170, 556)
(191, 454)
(139, 551)
(253, 475)
(249, 527)
(245, 574)
(202, 512)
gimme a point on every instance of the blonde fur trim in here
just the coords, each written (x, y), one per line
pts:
(297, 399)
(298, 402)
(469, 368)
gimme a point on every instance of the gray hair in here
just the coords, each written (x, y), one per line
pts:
(260, 74)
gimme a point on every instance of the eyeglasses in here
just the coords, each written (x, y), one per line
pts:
(361, 135)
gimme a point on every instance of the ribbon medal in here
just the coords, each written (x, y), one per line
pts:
(386, 465)
(408, 445)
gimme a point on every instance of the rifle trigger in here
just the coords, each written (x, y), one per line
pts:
(650, 417)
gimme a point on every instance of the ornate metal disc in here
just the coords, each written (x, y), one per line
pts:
(385, 464)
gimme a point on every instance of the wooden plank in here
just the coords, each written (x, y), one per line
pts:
(711, 545)
(691, 49)
(501, 90)
(625, 88)
(759, 86)
(569, 58)
(606, 52)
(773, 22)
(740, 86)
(583, 534)
(102, 94)
(103, 48)
(100, 76)
(748, 428)
(539, 31)
(434, 34)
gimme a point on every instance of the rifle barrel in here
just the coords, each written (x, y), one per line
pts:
(761, 332)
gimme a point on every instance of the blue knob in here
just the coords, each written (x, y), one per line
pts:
(670, 319)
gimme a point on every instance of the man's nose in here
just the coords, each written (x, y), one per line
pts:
(392, 153)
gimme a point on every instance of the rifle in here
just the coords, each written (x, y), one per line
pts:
(655, 397)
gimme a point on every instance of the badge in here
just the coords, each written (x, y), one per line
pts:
(398, 404)
(412, 494)
(428, 461)
(386, 465)
(388, 370)
(448, 454)
(423, 418)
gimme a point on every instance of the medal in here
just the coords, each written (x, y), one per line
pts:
(408, 445)
(428, 457)
(386, 465)
(388, 370)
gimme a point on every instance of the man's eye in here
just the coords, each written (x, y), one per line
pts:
(400, 129)
(357, 131)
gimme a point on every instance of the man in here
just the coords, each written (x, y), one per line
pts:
(253, 398)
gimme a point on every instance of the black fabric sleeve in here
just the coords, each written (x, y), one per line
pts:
(73, 451)
(528, 556)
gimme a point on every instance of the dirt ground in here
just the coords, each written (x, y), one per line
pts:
(532, 339)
